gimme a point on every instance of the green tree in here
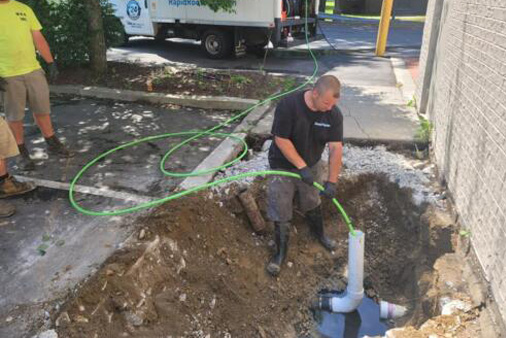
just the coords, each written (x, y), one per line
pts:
(65, 26)
(216, 5)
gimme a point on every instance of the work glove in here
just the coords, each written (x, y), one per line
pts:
(306, 175)
(330, 190)
(53, 71)
(3, 84)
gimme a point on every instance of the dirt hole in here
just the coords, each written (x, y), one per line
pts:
(197, 270)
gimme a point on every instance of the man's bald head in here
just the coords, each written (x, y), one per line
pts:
(328, 83)
(325, 93)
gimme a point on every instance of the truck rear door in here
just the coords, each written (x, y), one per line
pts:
(135, 16)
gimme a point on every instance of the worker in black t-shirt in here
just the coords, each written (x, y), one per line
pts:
(304, 123)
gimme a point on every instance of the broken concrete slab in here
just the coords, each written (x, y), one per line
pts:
(197, 101)
(226, 151)
(92, 127)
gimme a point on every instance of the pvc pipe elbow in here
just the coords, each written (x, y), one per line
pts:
(348, 303)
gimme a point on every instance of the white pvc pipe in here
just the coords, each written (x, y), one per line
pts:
(352, 297)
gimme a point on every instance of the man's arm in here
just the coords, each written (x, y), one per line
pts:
(288, 149)
(42, 46)
(335, 160)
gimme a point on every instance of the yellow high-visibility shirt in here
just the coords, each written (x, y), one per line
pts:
(17, 51)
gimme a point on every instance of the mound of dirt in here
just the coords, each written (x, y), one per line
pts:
(196, 269)
(199, 270)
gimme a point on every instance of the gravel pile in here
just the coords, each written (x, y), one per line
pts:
(404, 171)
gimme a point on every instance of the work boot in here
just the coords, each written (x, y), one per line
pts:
(23, 162)
(6, 210)
(12, 187)
(315, 220)
(281, 235)
(55, 147)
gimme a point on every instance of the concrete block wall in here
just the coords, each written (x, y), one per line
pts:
(465, 80)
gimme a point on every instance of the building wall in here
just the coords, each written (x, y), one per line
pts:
(463, 74)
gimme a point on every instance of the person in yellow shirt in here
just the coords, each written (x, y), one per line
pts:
(20, 37)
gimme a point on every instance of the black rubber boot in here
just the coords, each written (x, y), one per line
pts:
(55, 147)
(23, 161)
(281, 235)
(315, 219)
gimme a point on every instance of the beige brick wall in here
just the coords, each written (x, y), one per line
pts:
(467, 104)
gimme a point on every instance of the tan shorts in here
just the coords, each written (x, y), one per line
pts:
(8, 146)
(32, 86)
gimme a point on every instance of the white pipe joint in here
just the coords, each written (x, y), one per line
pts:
(351, 299)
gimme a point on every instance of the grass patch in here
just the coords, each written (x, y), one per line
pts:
(424, 131)
(413, 18)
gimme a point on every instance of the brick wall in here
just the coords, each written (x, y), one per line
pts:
(466, 87)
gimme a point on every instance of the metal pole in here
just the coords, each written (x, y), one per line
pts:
(384, 25)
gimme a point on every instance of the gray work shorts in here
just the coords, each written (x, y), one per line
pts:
(281, 191)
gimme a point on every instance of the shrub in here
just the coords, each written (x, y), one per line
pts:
(65, 28)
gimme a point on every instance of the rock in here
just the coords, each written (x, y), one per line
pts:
(47, 334)
(133, 319)
(261, 332)
(449, 307)
(394, 333)
(9, 319)
(441, 219)
(142, 234)
(266, 145)
(81, 319)
(63, 319)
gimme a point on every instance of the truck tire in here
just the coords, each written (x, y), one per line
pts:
(217, 44)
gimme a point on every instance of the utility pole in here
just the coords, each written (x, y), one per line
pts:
(384, 26)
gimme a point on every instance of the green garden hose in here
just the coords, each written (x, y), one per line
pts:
(193, 135)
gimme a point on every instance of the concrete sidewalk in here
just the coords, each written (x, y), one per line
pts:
(372, 115)
(372, 101)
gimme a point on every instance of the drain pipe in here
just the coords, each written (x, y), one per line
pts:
(350, 300)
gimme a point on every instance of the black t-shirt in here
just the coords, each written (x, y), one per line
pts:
(309, 131)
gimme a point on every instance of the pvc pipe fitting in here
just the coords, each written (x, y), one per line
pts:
(391, 311)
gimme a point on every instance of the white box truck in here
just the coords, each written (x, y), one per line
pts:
(250, 26)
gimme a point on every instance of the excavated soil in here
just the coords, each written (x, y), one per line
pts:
(195, 269)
